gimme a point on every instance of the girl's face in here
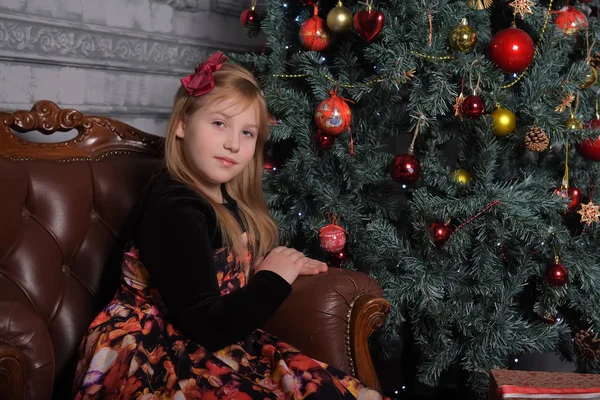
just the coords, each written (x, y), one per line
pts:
(219, 141)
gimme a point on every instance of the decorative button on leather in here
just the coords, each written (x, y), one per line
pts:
(66, 269)
(93, 215)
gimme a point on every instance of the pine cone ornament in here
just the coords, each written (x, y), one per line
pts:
(586, 344)
(536, 139)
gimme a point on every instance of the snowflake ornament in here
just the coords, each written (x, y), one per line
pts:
(590, 213)
(522, 7)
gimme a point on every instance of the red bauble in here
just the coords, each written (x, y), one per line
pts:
(332, 238)
(512, 50)
(405, 168)
(333, 115)
(556, 274)
(473, 106)
(368, 23)
(324, 142)
(570, 20)
(338, 258)
(308, 2)
(314, 34)
(248, 16)
(269, 165)
(590, 148)
(548, 319)
(573, 194)
(440, 232)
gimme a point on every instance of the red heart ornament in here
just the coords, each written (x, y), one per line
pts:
(368, 23)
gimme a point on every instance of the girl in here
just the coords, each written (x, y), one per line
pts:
(204, 271)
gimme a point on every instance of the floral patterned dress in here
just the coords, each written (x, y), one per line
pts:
(131, 351)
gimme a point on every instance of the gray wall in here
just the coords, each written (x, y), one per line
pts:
(120, 58)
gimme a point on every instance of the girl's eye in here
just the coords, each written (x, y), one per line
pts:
(218, 124)
(248, 133)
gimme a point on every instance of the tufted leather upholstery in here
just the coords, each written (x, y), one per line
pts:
(64, 211)
(69, 218)
(24, 329)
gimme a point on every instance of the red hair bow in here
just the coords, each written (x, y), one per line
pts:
(202, 81)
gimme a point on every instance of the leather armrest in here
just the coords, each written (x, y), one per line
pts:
(26, 354)
(12, 373)
(330, 317)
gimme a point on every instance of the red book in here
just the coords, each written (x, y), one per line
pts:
(510, 384)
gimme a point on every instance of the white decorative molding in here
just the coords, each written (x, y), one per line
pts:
(34, 39)
(183, 5)
(230, 7)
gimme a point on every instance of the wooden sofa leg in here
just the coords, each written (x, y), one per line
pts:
(367, 315)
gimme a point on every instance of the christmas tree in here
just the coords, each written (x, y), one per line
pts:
(450, 149)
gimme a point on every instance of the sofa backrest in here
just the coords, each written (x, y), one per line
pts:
(64, 208)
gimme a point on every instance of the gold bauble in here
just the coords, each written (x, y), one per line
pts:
(590, 78)
(461, 176)
(463, 37)
(339, 19)
(504, 121)
(573, 124)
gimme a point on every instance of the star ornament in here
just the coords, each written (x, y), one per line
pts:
(590, 213)
(460, 99)
(522, 7)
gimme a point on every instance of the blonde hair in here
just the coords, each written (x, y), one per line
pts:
(246, 187)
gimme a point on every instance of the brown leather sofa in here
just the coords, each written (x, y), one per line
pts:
(63, 209)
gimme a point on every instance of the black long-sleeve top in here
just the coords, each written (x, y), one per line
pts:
(176, 235)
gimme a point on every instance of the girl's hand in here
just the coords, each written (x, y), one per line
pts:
(289, 263)
(313, 267)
